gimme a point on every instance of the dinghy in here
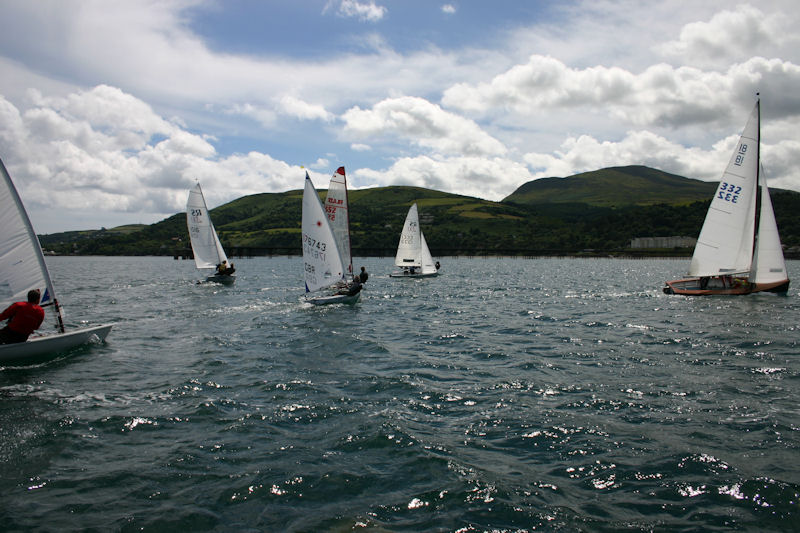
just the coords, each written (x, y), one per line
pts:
(413, 256)
(735, 255)
(322, 261)
(22, 268)
(207, 250)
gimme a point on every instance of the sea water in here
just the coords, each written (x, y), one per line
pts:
(546, 394)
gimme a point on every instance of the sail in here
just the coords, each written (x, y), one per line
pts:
(337, 209)
(22, 265)
(409, 252)
(725, 244)
(768, 262)
(322, 265)
(208, 252)
(428, 266)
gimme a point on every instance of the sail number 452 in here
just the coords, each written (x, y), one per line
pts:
(729, 192)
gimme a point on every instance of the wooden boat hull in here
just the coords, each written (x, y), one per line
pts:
(223, 279)
(334, 299)
(36, 347)
(722, 286)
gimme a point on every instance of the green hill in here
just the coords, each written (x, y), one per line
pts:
(600, 211)
(615, 187)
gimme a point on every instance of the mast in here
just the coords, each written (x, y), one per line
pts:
(349, 243)
(759, 197)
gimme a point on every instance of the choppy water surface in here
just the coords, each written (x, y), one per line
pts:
(505, 395)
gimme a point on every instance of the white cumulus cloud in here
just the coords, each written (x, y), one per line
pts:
(422, 123)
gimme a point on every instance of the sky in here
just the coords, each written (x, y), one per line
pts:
(111, 110)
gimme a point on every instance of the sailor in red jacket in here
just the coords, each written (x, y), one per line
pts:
(25, 317)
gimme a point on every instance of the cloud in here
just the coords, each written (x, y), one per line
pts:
(661, 95)
(585, 153)
(265, 116)
(304, 111)
(449, 9)
(491, 178)
(421, 123)
(105, 150)
(730, 35)
(363, 11)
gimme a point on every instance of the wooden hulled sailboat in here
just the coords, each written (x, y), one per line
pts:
(739, 249)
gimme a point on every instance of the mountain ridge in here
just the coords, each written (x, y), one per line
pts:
(602, 210)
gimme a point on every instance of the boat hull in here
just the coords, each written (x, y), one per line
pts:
(37, 347)
(223, 279)
(405, 274)
(722, 286)
(334, 299)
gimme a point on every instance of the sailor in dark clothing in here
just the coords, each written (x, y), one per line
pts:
(352, 289)
(364, 275)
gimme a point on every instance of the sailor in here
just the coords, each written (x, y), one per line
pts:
(25, 318)
(222, 268)
(352, 289)
(364, 275)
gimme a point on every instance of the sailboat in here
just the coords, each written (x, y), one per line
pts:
(337, 209)
(733, 254)
(22, 268)
(207, 250)
(322, 261)
(413, 256)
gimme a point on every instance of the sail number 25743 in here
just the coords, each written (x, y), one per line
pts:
(729, 192)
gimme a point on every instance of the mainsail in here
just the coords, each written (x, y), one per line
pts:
(337, 209)
(208, 252)
(725, 244)
(22, 265)
(322, 265)
(409, 252)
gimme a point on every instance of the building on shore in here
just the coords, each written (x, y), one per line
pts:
(663, 242)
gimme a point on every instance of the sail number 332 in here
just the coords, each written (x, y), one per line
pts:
(729, 192)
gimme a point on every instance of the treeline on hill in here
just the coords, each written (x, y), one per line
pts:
(453, 225)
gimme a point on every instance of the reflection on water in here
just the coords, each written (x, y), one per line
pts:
(507, 394)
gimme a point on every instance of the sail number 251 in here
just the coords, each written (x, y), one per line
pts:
(729, 192)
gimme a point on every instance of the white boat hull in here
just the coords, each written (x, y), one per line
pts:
(334, 299)
(402, 274)
(52, 344)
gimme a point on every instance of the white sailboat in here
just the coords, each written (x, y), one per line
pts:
(413, 256)
(337, 209)
(734, 255)
(22, 268)
(322, 262)
(207, 250)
